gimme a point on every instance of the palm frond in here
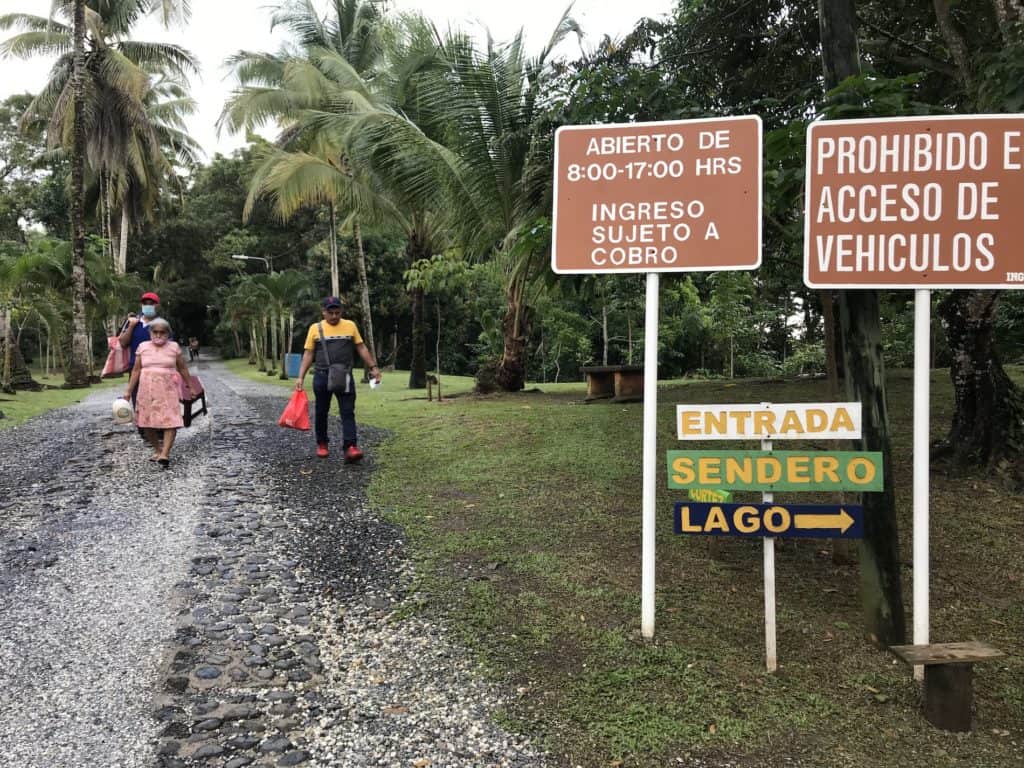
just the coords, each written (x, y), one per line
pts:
(29, 44)
(249, 68)
(251, 107)
(160, 58)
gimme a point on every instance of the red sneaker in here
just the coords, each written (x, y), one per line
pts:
(353, 454)
(321, 450)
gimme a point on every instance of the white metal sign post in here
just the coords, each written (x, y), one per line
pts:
(771, 653)
(922, 464)
(670, 196)
(923, 203)
(650, 465)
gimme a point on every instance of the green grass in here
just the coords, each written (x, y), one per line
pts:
(23, 405)
(523, 512)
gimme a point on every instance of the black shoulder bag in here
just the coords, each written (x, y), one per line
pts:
(338, 375)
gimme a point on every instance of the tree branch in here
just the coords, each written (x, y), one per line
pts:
(943, 66)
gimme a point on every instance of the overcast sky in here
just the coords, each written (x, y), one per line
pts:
(218, 28)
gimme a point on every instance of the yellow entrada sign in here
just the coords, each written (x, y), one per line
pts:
(827, 421)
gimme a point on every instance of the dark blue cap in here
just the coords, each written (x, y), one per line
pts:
(332, 301)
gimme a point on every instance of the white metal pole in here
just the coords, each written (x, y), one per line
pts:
(922, 393)
(650, 473)
(770, 650)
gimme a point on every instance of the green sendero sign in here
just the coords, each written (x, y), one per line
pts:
(776, 470)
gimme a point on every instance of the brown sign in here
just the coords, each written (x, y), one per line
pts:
(674, 196)
(923, 202)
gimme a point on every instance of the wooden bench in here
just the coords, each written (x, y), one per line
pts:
(622, 383)
(948, 679)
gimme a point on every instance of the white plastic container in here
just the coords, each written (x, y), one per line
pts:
(122, 411)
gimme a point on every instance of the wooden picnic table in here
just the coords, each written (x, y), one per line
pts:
(621, 383)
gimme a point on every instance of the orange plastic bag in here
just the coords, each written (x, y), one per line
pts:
(296, 413)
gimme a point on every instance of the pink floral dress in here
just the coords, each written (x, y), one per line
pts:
(157, 405)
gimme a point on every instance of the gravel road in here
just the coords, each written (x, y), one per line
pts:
(245, 607)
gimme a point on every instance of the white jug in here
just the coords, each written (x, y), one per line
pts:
(123, 413)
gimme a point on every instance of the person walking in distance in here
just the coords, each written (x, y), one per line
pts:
(137, 328)
(330, 349)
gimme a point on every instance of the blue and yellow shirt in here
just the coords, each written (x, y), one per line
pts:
(341, 342)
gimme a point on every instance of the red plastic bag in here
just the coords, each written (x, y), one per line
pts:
(296, 413)
(117, 358)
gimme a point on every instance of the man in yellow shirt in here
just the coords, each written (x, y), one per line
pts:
(334, 342)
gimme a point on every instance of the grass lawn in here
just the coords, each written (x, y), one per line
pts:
(21, 406)
(523, 512)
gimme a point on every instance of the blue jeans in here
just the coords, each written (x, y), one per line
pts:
(346, 404)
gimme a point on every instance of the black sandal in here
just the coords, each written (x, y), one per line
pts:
(164, 463)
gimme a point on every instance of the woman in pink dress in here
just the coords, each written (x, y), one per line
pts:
(159, 371)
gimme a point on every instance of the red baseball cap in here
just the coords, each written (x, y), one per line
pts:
(150, 296)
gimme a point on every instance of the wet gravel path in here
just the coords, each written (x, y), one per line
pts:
(245, 607)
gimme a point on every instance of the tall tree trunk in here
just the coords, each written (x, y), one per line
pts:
(333, 251)
(418, 368)
(108, 217)
(437, 345)
(864, 373)
(988, 417)
(364, 290)
(286, 344)
(7, 339)
(831, 341)
(511, 373)
(415, 250)
(77, 374)
(604, 333)
(16, 373)
(272, 322)
(122, 250)
(955, 42)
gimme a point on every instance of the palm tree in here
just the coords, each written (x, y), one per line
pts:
(285, 290)
(493, 103)
(72, 82)
(332, 55)
(24, 277)
(391, 144)
(458, 137)
(77, 374)
(134, 117)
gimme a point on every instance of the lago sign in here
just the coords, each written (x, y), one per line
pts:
(776, 470)
(844, 521)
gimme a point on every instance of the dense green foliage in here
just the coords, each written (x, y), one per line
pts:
(381, 160)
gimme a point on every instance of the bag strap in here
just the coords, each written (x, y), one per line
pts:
(327, 350)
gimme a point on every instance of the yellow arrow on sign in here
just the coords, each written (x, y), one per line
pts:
(842, 521)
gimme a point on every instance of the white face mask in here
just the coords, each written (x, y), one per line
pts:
(159, 340)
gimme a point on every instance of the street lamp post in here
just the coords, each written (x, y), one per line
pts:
(243, 257)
